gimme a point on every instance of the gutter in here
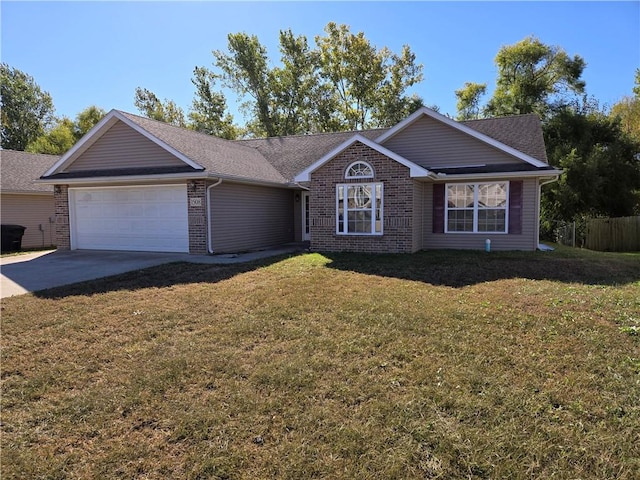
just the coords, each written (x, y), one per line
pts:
(209, 239)
(525, 174)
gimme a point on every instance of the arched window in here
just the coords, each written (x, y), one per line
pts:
(359, 169)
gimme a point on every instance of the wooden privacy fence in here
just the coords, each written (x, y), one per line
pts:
(613, 234)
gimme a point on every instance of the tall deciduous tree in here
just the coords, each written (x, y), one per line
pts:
(57, 140)
(627, 110)
(245, 69)
(344, 83)
(87, 119)
(370, 84)
(530, 74)
(152, 107)
(209, 108)
(468, 104)
(26, 110)
(65, 133)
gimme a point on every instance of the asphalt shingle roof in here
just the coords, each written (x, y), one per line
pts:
(280, 159)
(292, 154)
(18, 170)
(522, 132)
(216, 155)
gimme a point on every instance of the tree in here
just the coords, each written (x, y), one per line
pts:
(60, 138)
(208, 110)
(65, 133)
(530, 75)
(627, 110)
(26, 110)
(370, 84)
(245, 70)
(151, 106)
(601, 171)
(87, 119)
(468, 104)
(344, 83)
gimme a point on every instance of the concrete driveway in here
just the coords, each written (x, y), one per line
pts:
(41, 270)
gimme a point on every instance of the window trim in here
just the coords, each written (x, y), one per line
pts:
(476, 208)
(351, 177)
(374, 207)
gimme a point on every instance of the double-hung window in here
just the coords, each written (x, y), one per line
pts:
(477, 207)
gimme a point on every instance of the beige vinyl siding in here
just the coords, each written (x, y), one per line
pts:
(527, 240)
(247, 217)
(122, 147)
(30, 211)
(431, 143)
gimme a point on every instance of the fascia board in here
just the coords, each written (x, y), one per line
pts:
(473, 176)
(414, 170)
(463, 128)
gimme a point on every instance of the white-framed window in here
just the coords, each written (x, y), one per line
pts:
(477, 207)
(359, 209)
(359, 169)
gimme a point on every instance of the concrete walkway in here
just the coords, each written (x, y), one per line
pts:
(31, 272)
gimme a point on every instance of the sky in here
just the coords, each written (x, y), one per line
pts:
(97, 53)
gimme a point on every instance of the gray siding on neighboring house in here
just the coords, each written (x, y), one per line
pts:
(246, 217)
(431, 143)
(30, 211)
(123, 147)
(527, 240)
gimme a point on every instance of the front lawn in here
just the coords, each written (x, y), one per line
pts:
(433, 365)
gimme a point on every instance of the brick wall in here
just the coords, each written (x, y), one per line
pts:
(398, 202)
(62, 231)
(197, 213)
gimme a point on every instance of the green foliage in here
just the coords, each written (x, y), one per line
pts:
(208, 109)
(627, 111)
(152, 107)
(370, 84)
(26, 110)
(601, 173)
(65, 133)
(468, 104)
(345, 83)
(530, 74)
(57, 140)
(87, 119)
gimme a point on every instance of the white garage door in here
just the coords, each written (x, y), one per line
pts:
(149, 219)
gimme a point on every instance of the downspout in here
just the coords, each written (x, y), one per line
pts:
(209, 240)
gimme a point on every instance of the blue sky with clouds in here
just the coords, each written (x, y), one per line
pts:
(97, 53)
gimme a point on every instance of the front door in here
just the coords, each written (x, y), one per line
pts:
(305, 217)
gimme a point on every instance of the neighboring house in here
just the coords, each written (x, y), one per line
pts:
(429, 182)
(25, 202)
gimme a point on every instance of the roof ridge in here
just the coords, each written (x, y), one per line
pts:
(307, 135)
(518, 115)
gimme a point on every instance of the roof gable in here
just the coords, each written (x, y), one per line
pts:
(414, 170)
(198, 152)
(465, 129)
(102, 128)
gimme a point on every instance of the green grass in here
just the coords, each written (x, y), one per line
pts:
(433, 365)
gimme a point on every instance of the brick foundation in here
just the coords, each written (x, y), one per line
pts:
(398, 191)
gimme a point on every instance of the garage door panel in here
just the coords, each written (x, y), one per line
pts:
(131, 218)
